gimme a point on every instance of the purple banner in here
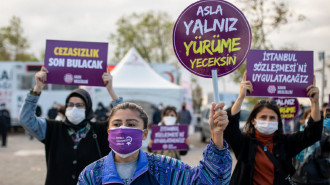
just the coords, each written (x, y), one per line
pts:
(211, 34)
(169, 137)
(76, 63)
(289, 107)
(280, 73)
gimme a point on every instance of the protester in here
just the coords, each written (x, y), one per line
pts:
(156, 115)
(128, 164)
(303, 124)
(264, 154)
(315, 167)
(5, 123)
(73, 143)
(169, 117)
(101, 112)
(184, 115)
(52, 112)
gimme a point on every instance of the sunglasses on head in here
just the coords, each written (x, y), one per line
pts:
(263, 102)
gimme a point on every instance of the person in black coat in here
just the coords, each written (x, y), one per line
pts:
(263, 140)
(5, 123)
(71, 144)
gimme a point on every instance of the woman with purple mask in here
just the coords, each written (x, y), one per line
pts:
(128, 164)
(264, 154)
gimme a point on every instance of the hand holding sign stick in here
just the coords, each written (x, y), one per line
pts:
(215, 52)
(218, 121)
(40, 78)
(313, 93)
(107, 80)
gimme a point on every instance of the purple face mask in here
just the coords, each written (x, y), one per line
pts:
(125, 141)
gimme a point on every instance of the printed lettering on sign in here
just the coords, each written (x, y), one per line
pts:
(211, 34)
(280, 73)
(76, 63)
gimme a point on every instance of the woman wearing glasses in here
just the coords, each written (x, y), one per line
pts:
(73, 143)
(264, 154)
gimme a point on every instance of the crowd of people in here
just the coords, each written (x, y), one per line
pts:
(83, 146)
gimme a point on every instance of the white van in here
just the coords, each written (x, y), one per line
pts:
(16, 80)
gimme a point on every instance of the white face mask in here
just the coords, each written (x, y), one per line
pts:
(266, 127)
(75, 115)
(169, 120)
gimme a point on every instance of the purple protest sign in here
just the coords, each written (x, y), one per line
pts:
(280, 73)
(211, 35)
(76, 63)
(169, 137)
(289, 107)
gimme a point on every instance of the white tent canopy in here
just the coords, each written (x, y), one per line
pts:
(134, 79)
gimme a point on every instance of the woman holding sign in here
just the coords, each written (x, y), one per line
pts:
(264, 154)
(128, 164)
(73, 143)
(169, 117)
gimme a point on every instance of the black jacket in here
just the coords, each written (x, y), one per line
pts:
(60, 150)
(285, 148)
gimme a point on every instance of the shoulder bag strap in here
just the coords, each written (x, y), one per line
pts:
(282, 170)
(97, 143)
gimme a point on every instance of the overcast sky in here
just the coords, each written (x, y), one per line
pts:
(93, 20)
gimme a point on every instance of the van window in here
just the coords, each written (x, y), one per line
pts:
(244, 115)
(206, 115)
(25, 81)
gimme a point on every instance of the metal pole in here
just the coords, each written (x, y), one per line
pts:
(322, 57)
(215, 85)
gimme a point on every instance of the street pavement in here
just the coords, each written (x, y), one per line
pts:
(23, 160)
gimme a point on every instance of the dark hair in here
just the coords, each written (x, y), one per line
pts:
(249, 127)
(167, 109)
(133, 107)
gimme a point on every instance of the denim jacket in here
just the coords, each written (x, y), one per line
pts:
(214, 168)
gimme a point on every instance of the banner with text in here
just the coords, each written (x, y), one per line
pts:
(280, 73)
(289, 107)
(76, 63)
(169, 137)
(211, 35)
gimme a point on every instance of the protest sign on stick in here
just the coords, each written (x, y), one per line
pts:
(211, 35)
(76, 63)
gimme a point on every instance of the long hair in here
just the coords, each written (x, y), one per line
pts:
(249, 127)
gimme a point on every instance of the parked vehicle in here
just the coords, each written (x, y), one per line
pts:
(17, 78)
(205, 128)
